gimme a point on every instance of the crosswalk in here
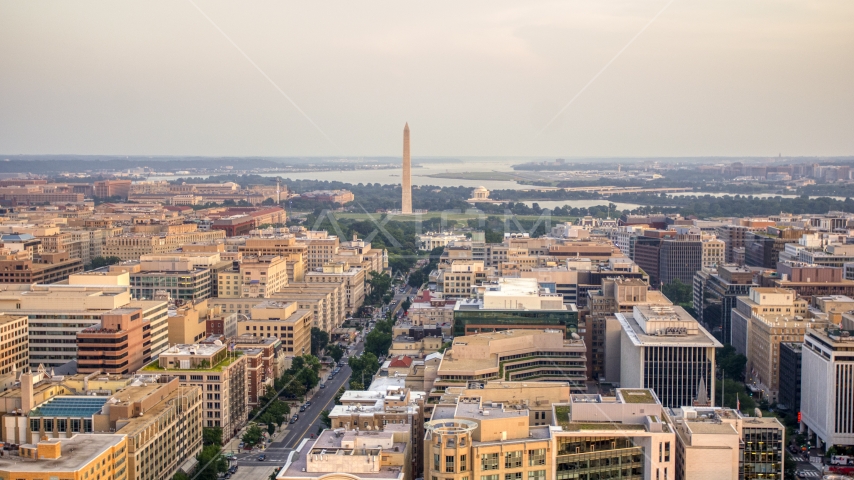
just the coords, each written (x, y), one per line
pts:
(816, 460)
(808, 474)
(798, 458)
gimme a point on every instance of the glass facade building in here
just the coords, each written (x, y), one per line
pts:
(588, 458)
(188, 286)
(471, 321)
(762, 456)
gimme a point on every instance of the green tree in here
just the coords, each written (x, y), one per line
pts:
(211, 463)
(379, 284)
(180, 475)
(679, 293)
(417, 279)
(212, 436)
(99, 262)
(732, 364)
(319, 340)
(405, 305)
(378, 342)
(335, 351)
(271, 429)
(252, 435)
(324, 417)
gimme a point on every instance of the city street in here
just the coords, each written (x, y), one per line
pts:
(308, 423)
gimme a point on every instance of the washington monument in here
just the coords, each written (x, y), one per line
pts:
(406, 183)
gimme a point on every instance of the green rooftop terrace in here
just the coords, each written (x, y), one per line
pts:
(637, 396)
(154, 366)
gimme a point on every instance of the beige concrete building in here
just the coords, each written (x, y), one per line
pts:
(58, 312)
(776, 316)
(14, 348)
(625, 436)
(286, 247)
(133, 246)
(218, 372)
(352, 279)
(524, 354)
(714, 252)
(75, 458)
(321, 248)
(762, 301)
(161, 441)
(188, 322)
(352, 455)
(283, 320)
(258, 277)
(723, 444)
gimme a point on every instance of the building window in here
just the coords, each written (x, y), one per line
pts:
(489, 461)
(436, 461)
(537, 457)
(513, 476)
(489, 477)
(462, 463)
(513, 459)
(537, 475)
(666, 454)
(449, 464)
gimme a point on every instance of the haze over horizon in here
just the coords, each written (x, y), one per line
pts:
(723, 78)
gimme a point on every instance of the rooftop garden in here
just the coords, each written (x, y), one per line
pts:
(637, 396)
(154, 366)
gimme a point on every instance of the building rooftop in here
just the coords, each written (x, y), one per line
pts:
(70, 406)
(76, 452)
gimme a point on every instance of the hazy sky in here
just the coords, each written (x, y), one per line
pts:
(707, 77)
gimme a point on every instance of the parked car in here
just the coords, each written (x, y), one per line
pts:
(302, 408)
(294, 418)
(307, 404)
(322, 385)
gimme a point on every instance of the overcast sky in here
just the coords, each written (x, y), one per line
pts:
(473, 77)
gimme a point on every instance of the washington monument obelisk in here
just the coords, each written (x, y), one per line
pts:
(406, 183)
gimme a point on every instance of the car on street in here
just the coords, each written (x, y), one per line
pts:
(302, 408)
(307, 404)
(294, 418)
(322, 385)
(233, 469)
(262, 457)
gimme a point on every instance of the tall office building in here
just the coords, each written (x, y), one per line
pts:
(827, 385)
(406, 179)
(665, 349)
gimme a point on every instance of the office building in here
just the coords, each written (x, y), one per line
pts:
(723, 444)
(479, 438)
(762, 301)
(220, 373)
(790, 376)
(827, 386)
(101, 456)
(356, 455)
(14, 347)
(350, 277)
(624, 436)
(120, 344)
(19, 267)
(58, 312)
(514, 303)
(514, 355)
(283, 320)
(602, 335)
(715, 295)
(667, 255)
(664, 349)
